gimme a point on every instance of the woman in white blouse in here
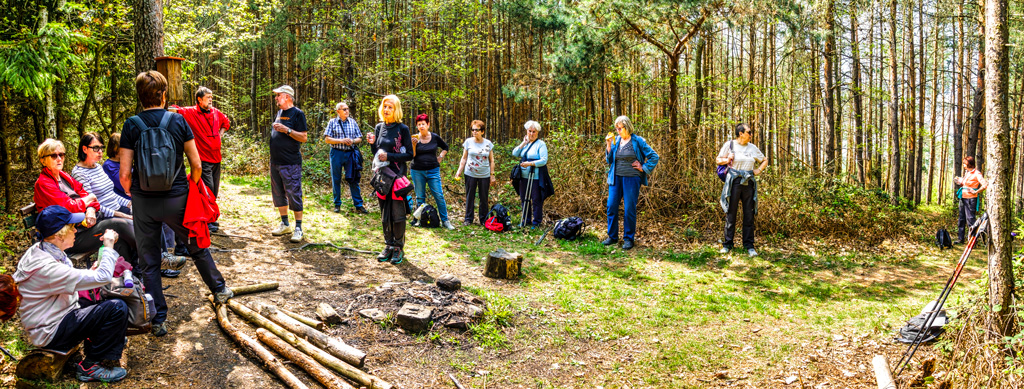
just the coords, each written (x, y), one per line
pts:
(743, 158)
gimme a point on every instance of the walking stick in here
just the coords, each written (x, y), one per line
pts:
(527, 201)
(980, 225)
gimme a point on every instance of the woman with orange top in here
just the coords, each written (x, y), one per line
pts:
(972, 183)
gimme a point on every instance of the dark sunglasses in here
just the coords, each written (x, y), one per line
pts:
(476, 129)
(95, 148)
(56, 155)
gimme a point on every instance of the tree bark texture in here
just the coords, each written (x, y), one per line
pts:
(254, 347)
(149, 33)
(1001, 318)
(320, 373)
(894, 123)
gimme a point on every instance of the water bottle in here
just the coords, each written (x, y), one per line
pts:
(129, 282)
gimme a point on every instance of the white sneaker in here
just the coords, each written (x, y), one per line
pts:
(297, 236)
(723, 250)
(281, 230)
(752, 252)
(448, 225)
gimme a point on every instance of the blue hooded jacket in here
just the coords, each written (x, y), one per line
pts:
(644, 153)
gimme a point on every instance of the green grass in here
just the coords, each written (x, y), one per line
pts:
(683, 308)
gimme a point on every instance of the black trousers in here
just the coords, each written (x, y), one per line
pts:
(968, 208)
(473, 186)
(102, 326)
(211, 177)
(392, 217)
(744, 193)
(88, 240)
(150, 213)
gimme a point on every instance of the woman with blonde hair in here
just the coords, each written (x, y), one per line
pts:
(630, 160)
(393, 138)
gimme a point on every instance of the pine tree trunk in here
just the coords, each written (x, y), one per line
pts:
(894, 122)
(936, 53)
(815, 95)
(858, 101)
(148, 18)
(830, 105)
(5, 155)
(1001, 317)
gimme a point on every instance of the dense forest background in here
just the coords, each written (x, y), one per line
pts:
(884, 96)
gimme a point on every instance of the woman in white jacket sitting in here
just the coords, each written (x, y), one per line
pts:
(49, 287)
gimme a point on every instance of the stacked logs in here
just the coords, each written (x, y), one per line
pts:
(298, 339)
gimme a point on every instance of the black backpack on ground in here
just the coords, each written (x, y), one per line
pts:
(429, 217)
(943, 240)
(497, 219)
(570, 228)
(155, 153)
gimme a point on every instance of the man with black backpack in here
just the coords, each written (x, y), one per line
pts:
(154, 142)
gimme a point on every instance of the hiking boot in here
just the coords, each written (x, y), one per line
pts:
(168, 273)
(214, 227)
(171, 262)
(724, 250)
(448, 225)
(609, 241)
(281, 230)
(296, 236)
(627, 244)
(180, 250)
(361, 210)
(98, 372)
(223, 296)
(385, 254)
(397, 255)
(337, 209)
(751, 252)
(159, 329)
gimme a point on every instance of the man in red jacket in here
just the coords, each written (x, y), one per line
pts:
(208, 125)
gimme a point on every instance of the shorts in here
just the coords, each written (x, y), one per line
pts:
(286, 186)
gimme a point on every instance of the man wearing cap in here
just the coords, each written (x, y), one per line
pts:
(343, 134)
(208, 125)
(286, 139)
(49, 287)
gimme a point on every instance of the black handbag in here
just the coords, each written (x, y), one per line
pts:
(383, 181)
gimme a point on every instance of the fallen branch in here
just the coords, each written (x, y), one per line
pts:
(331, 245)
(883, 376)
(335, 347)
(254, 347)
(457, 384)
(326, 359)
(254, 288)
(314, 369)
(319, 325)
(233, 235)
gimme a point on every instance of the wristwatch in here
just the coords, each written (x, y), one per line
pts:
(289, 131)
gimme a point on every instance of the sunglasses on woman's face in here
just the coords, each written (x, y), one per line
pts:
(95, 148)
(476, 130)
(57, 155)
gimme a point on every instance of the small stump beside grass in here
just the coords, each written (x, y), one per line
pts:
(504, 265)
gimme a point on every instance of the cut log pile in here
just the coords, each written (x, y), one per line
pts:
(299, 341)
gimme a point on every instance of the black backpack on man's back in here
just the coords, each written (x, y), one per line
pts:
(155, 153)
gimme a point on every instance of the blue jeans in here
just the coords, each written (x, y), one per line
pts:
(626, 191)
(338, 161)
(421, 180)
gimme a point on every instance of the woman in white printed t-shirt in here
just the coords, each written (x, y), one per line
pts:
(477, 162)
(740, 185)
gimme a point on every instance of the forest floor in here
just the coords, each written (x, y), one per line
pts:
(668, 314)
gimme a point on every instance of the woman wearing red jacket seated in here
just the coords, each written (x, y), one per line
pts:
(55, 187)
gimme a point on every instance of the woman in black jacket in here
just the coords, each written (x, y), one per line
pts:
(392, 138)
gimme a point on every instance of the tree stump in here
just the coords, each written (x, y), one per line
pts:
(449, 283)
(503, 264)
(40, 367)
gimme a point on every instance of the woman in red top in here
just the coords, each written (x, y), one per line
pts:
(56, 187)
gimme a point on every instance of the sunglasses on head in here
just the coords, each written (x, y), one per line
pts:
(56, 155)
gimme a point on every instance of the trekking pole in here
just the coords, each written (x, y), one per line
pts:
(980, 225)
(527, 202)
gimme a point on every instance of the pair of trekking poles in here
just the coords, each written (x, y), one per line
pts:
(527, 200)
(979, 227)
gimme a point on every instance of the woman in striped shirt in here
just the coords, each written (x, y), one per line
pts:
(90, 173)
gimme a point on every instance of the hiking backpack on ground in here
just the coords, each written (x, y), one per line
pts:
(943, 239)
(155, 153)
(570, 228)
(429, 217)
(497, 219)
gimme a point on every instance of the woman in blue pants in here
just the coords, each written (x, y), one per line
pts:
(630, 160)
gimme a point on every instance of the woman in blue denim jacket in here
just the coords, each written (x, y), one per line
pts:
(630, 160)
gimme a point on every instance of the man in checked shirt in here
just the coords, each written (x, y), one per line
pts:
(343, 135)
